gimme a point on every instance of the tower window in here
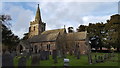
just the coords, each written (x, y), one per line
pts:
(34, 28)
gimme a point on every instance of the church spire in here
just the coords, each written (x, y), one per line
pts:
(38, 15)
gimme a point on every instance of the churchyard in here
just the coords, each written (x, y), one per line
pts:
(94, 59)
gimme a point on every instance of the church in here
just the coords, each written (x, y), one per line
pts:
(49, 40)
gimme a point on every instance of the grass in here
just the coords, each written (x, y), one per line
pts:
(83, 61)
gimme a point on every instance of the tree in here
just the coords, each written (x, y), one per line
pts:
(26, 36)
(81, 28)
(113, 31)
(8, 38)
(96, 31)
(4, 19)
(70, 30)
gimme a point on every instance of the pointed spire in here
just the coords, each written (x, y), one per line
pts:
(38, 15)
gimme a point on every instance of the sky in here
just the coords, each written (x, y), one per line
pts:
(57, 14)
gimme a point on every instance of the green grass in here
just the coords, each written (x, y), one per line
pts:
(83, 61)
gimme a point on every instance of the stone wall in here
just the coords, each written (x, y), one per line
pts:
(45, 46)
(82, 46)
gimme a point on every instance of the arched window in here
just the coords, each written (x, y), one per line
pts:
(35, 48)
(34, 28)
(48, 46)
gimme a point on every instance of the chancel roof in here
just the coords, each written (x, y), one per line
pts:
(77, 36)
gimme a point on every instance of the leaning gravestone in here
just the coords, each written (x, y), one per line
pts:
(35, 59)
(22, 62)
(7, 60)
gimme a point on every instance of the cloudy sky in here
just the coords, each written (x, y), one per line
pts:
(58, 14)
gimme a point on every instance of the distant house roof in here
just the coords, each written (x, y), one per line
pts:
(50, 35)
(77, 36)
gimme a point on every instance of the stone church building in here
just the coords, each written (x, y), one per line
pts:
(49, 40)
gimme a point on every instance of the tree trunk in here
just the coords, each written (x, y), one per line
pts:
(95, 49)
(100, 49)
(118, 49)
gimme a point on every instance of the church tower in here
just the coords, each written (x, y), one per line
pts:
(36, 26)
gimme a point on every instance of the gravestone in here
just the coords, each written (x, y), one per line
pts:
(78, 55)
(47, 55)
(66, 62)
(95, 59)
(75, 52)
(112, 55)
(105, 56)
(27, 56)
(89, 59)
(54, 56)
(99, 59)
(22, 62)
(35, 59)
(7, 60)
(43, 55)
(13, 54)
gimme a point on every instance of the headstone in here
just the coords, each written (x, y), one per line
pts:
(101, 58)
(78, 55)
(75, 52)
(13, 54)
(35, 59)
(7, 60)
(47, 55)
(89, 59)
(22, 62)
(105, 57)
(95, 59)
(27, 56)
(43, 55)
(66, 62)
(54, 56)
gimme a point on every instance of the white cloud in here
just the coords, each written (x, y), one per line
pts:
(60, 0)
(95, 19)
(20, 19)
(58, 14)
(0, 7)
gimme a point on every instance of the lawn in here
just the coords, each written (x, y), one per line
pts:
(83, 61)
